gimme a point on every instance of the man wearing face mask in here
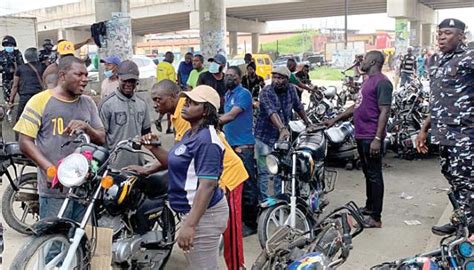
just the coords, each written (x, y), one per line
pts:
(214, 77)
(10, 60)
(370, 113)
(277, 102)
(124, 114)
(111, 81)
(238, 125)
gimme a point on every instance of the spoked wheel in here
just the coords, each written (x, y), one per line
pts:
(20, 208)
(276, 216)
(49, 252)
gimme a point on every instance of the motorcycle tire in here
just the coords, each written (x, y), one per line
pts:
(302, 222)
(9, 196)
(27, 252)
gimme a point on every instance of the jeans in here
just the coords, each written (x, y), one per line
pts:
(49, 207)
(372, 168)
(251, 190)
(405, 78)
(263, 150)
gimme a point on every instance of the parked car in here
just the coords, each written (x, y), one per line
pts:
(281, 61)
(262, 61)
(316, 60)
(146, 66)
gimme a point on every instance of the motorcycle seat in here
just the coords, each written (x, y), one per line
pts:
(12, 149)
(156, 185)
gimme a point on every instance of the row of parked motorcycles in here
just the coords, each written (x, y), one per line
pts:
(292, 230)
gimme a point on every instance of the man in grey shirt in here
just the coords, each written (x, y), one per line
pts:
(125, 115)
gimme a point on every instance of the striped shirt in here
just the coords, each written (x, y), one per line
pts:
(44, 119)
(408, 64)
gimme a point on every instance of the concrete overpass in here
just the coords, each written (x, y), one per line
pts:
(72, 21)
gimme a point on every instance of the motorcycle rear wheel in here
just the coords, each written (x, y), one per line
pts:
(20, 209)
(32, 255)
(273, 217)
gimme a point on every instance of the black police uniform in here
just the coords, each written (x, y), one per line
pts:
(9, 62)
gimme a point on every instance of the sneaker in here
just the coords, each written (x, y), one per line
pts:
(370, 222)
(248, 231)
(366, 211)
(446, 229)
(158, 125)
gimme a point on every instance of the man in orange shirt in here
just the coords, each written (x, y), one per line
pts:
(166, 99)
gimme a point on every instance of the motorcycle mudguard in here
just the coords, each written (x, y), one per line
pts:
(54, 225)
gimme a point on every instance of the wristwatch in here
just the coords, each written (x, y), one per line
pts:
(378, 138)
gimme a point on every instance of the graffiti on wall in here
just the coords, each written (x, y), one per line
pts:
(213, 42)
(119, 36)
(401, 35)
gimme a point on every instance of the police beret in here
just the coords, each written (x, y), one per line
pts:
(452, 23)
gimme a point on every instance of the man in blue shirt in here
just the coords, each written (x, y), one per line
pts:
(277, 101)
(238, 124)
(184, 69)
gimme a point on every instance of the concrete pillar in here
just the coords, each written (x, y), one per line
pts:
(415, 33)
(233, 43)
(401, 36)
(212, 27)
(105, 8)
(61, 34)
(427, 34)
(255, 42)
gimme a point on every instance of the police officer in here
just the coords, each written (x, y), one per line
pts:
(45, 53)
(10, 60)
(452, 120)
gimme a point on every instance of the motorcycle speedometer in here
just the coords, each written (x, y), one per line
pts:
(465, 249)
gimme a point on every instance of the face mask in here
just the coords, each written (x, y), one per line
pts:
(230, 83)
(9, 49)
(214, 68)
(108, 73)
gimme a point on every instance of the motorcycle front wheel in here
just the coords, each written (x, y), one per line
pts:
(276, 216)
(49, 252)
(20, 208)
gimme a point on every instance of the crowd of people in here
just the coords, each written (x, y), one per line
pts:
(217, 165)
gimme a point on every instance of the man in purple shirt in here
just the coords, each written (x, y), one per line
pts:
(371, 112)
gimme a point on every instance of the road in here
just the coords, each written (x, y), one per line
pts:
(420, 179)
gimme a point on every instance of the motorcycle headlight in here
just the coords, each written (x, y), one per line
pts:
(73, 170)
(272, 164)
(321, 109)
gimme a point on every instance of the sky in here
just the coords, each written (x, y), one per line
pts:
(363, 23)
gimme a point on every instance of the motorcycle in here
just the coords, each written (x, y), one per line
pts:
(350, 87)
(342, 147)
(133, 207)
(455, 252)
(410, 107)
(20, 200)
(329, 247)
(301, 164)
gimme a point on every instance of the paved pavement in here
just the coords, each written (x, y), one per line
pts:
(419, 178)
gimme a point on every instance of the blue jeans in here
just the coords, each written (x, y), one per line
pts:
(49, 207)
(263, 150)
(251, 191)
